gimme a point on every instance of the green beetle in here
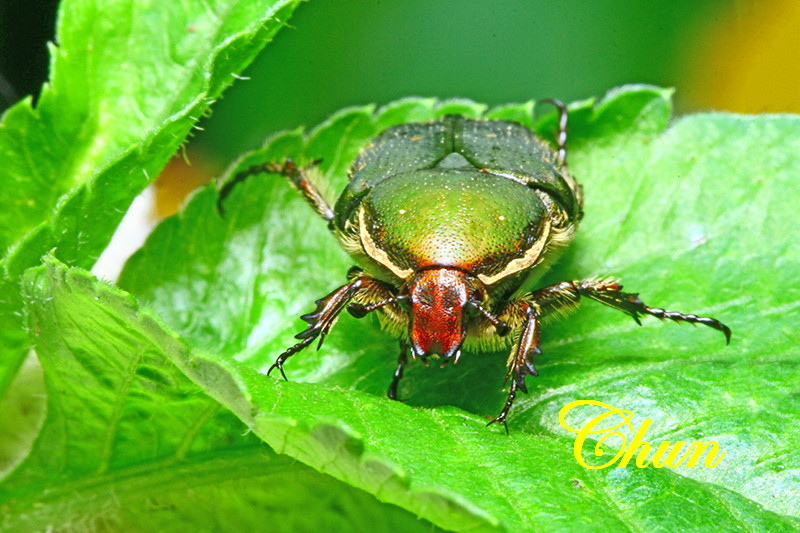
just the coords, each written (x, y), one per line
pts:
(451, 221)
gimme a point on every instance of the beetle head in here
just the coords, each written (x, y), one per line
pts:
(438, 297)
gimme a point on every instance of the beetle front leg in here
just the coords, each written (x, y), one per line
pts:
(327, 311)
(320, 321)
(521, 361)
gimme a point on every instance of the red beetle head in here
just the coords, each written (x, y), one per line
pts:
(438, 297)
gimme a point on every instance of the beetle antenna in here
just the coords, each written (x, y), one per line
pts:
(501, 327)
(562, 128)
(360, 310)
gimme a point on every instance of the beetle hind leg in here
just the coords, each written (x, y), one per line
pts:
(299, 177)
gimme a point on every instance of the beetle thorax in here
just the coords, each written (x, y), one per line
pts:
(438, 299)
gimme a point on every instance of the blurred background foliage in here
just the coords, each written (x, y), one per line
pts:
(728, 55)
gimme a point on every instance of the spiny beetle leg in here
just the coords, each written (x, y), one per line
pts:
(563, 296)
(610, 293)
(321, 320)
(522, 363)
(567, 294)
(270, 167)
(402, 359)
(297, 176)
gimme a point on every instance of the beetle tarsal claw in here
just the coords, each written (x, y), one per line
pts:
(530, 369)
(279, 366)
(500, 420)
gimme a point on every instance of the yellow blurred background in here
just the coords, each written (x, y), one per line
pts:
(748, 61)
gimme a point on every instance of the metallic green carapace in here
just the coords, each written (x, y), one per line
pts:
(460, 218)
(450, 222)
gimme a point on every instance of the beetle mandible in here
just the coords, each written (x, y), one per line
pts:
(449, 222)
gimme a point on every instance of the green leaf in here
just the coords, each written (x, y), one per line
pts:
(130, 443)
(129, 79)
(695, 217)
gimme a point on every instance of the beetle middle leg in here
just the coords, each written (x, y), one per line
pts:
(609, 292)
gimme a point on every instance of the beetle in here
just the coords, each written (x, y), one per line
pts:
(451, 222)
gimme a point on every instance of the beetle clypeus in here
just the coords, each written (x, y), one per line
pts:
(450, 221)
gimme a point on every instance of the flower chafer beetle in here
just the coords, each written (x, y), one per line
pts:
(450, 221)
